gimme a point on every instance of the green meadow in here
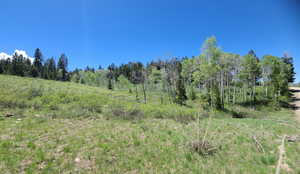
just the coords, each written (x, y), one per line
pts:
(63, 127)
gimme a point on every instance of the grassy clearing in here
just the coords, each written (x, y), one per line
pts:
(35, 140)
(45, 145)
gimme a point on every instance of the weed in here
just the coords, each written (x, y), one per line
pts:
(203, 148)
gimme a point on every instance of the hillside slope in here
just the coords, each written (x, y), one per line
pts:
(66, 99)
(55, 127)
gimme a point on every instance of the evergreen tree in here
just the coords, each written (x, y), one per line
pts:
(62, 67)
(50, 69)
(28, 67)
(180, 88)
(100, 67)
(111, 75)
(38, 64)
(14, 64)
(289, 61)
(1, 67)
(252, 53)
(18, 65)
(8, 66)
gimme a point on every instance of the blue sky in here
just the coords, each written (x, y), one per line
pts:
(93, 32)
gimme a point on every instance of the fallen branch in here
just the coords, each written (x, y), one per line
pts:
(281, 154)
(293, 138)
(258, 145)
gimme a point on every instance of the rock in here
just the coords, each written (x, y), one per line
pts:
(77, 160)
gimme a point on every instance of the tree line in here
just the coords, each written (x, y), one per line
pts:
(47, 69)
(215, 77)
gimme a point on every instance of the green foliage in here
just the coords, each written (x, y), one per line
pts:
(250, 72)
(180, 88)
(191, 93)
(85, 145)
(38, 63)
(276, 75)
(155, 78)
(20, 66)
(124, 83)
(208, 71)
(123, 135)
(62, 67)
(50, 71)
(291, 72)
(223, 78)
(57, 99)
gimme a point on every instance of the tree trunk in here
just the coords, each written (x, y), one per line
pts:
(234, 93)
(136, 93)
(222, 89)
(144, 92)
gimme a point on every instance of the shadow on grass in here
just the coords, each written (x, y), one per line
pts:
(236, 113)
(291, 104)
(259, 104)
(256, 104)
(294, 90)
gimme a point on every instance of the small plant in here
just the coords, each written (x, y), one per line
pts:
(203, 148)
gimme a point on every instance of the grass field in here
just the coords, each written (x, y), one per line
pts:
(60, 127)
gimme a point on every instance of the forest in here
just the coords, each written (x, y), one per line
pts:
(215, 79)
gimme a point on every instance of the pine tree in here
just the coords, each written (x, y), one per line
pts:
(50, 69)
(28, 67)
(1, 67)
(62, 67)
(38, 64)
(291, 74)
(18, 65)
(109, 76)
(14, 64)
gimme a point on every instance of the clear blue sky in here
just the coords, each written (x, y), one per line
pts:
(93, 32)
